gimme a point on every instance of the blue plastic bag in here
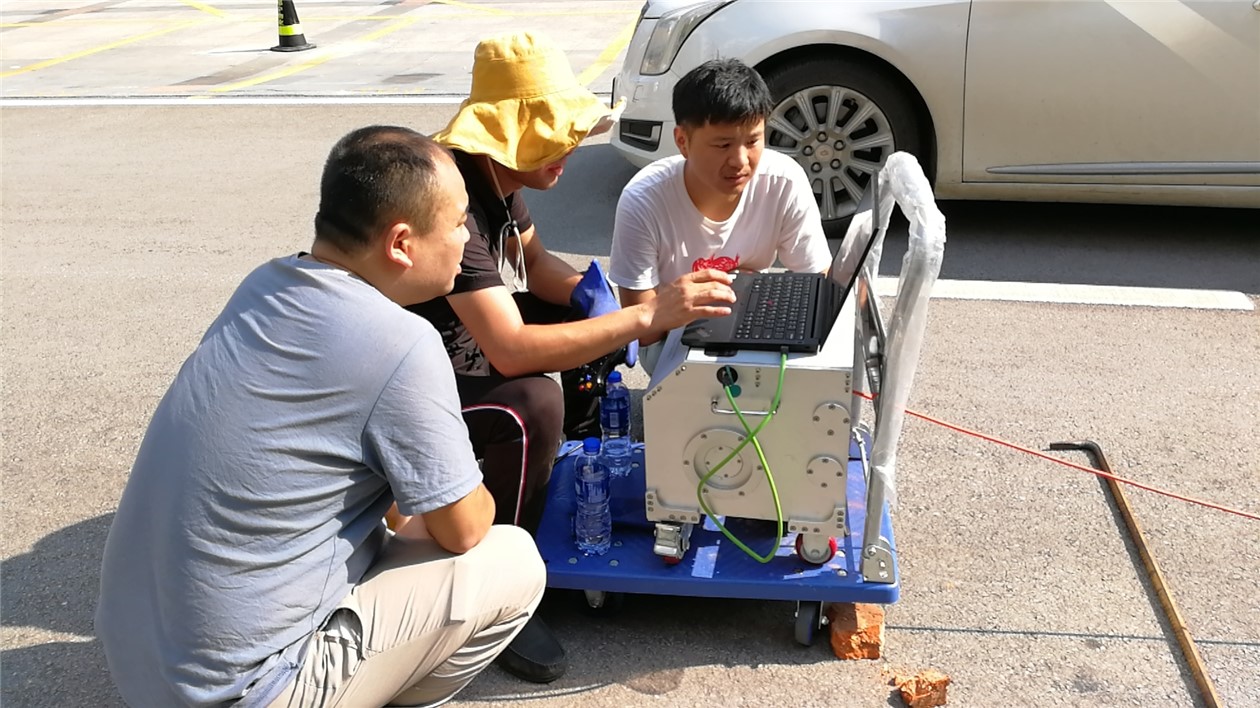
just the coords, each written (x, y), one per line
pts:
(594, 296)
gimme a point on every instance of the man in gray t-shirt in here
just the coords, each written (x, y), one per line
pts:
(248, 563)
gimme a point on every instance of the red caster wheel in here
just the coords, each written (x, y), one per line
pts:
(670, 560)
(815, 557)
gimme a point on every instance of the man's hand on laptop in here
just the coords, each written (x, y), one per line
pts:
(704, 293)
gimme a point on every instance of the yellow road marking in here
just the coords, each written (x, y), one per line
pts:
(399, 23)
(480, 15)
(536, 13)
(607, 56)
(96, 50)
(86, 21)
(204, 8)
(388, 29)
(469, 6)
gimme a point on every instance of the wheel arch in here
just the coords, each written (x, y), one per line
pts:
(927, 126)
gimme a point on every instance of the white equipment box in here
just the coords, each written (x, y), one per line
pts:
(690, 427)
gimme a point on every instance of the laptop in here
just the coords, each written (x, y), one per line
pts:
(791, 312)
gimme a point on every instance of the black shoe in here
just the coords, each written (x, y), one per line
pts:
(534, 654)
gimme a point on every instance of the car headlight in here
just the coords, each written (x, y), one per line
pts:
(671, 30)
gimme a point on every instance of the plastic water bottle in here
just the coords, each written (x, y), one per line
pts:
(614, 421)
(592, 521)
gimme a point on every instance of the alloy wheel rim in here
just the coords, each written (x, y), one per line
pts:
(841, 138)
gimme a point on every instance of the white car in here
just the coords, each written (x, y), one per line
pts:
(1124, 101)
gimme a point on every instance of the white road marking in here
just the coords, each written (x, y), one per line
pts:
(1067, 293)
(208, 100)
(18, 636)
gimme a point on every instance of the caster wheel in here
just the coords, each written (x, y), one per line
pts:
(822, 557)
(670, 560)
(599, 602)
(808, 619)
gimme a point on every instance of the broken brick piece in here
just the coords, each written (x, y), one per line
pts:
(857, 630)
(923, 690)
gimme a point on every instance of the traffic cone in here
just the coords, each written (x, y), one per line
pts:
(291, 37)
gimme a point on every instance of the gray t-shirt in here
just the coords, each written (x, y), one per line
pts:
(256, 499)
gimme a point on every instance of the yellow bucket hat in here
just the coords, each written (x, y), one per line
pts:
(526, 109)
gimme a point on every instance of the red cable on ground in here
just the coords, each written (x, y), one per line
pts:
(1073, 465)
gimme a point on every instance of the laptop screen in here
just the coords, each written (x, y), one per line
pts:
(858, 240)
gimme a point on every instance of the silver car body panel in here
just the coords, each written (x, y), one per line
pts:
(1041, 121)
(1177, 103)
(1130, 169)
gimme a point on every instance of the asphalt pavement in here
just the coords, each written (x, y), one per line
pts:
(126, 227)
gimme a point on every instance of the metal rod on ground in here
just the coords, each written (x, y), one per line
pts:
(1188, 649)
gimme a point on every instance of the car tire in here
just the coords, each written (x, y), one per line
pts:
(813, 100)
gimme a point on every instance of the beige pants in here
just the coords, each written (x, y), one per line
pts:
(422, 624)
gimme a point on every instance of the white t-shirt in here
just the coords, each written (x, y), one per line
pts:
(659, 232)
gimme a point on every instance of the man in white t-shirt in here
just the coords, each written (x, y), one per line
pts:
(726, 202)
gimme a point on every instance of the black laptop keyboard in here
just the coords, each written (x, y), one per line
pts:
(778, 308)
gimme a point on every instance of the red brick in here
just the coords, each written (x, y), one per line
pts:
(857, 630)
(923, 690)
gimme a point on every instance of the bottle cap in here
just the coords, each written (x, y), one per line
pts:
(590, 445)
(614, 377)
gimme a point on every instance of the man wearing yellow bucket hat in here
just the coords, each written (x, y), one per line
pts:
(525, 114)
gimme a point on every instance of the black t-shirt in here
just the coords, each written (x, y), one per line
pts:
(480, 267)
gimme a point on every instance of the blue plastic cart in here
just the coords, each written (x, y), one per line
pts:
(713, 566)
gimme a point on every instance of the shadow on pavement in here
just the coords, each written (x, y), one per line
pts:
(57, 674)
(54, 588)
(647, 644)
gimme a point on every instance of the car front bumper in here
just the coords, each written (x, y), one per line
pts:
(645, 131)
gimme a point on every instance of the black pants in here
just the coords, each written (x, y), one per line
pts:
(517, 424)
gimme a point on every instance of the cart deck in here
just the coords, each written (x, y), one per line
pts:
(713, 566)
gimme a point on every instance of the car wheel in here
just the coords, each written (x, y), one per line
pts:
(840, 119)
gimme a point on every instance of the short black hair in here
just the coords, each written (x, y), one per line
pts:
(724, 91)
(374, 177)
